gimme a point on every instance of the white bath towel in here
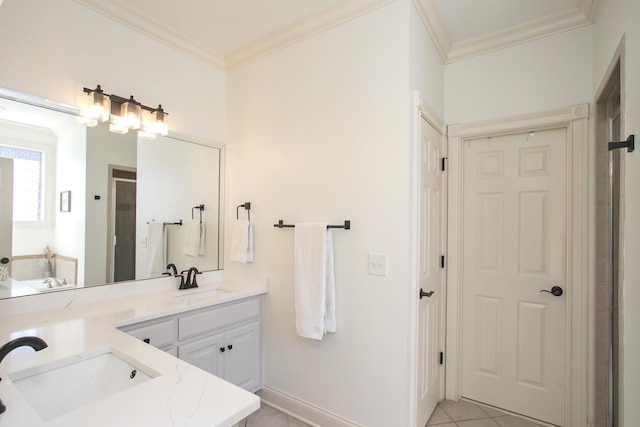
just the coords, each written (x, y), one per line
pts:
(314, 287)
(242, 242)
(195, 239)
(156, 249)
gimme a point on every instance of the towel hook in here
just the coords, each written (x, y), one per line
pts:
(247, 206)
(200, 208)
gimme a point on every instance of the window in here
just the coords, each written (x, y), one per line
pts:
(28, 172)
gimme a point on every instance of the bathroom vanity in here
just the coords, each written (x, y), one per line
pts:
(201, 351)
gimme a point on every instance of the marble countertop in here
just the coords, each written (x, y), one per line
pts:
(181, 395)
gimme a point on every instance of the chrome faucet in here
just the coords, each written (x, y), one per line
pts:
(35, 343)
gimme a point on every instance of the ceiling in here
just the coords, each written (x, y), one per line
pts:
(227, 34)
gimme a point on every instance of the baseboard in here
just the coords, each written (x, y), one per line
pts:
(301, 410)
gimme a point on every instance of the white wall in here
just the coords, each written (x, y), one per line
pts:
(615, 18)
(553, 72)
(55, 48)
(320, 131)
(70, 226)
(427, 69)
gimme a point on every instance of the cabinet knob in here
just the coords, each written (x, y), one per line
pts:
(222, 349)
(229, 346)
(147, 340)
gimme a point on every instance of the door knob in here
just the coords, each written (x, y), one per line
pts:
(4, 260)
(556, 291)
(425, 294)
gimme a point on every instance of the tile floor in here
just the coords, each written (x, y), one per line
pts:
(447, 414)
(466, 414)
(267, 416)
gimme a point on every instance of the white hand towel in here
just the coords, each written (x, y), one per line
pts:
(194, 240)
(314, 281)
(242, 242)
(156, 252)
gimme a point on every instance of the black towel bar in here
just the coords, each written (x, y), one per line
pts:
(346, 225)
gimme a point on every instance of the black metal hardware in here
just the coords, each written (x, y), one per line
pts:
(443, 164)
(556, 291)
(230, 346)
(346, 226)
(441, 358)
(441, 261)
(200, 208)
(426, 294)
(147, 340)
(117, 101)
(4, 260)
(221, 349)
(247, 206)
(96, 197)
(629, 144)
(133, 374)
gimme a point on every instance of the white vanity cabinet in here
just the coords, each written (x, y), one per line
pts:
(224, 340)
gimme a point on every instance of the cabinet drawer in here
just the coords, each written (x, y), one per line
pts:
(157, 334)
(217, 318)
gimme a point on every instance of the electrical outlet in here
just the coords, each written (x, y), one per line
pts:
(378, 264)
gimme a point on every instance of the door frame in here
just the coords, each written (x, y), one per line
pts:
(578, 398)
(421, 111)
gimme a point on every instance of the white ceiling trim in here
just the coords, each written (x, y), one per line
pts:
(433, 22)
(336, 14)
(322, 20)
(566, 20)
(138, 21)
(528, 31)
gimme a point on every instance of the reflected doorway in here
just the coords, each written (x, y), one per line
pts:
(122, 224)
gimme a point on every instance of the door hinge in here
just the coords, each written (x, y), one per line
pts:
(442, 261)
(441, 358)
(443, 165)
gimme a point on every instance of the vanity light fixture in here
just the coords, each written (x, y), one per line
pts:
(123, 114)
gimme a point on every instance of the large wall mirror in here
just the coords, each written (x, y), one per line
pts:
(84, 206)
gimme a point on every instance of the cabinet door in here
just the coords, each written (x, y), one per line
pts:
(243, 356)
(207, 354)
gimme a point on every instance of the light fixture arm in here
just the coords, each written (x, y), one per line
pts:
(118, 107)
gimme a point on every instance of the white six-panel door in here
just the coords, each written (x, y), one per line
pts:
(431, 273)
(515, 245)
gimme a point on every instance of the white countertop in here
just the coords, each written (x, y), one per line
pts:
(182, 395)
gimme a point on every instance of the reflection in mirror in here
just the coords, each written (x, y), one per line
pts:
(85, 206)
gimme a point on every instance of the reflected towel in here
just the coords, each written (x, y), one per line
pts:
(156, 252)
(315, 302)
(242, 242)
(195, 239)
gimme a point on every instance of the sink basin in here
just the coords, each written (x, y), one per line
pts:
(59, 387)
(211, 293)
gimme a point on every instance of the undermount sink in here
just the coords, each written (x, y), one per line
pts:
(60, 387)
(211, 293)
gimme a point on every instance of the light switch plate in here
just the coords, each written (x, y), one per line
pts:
(378, 264)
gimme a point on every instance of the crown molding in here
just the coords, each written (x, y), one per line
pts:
(322, 20)
(138, 21)
(588, 8)
(432, 20)
(525, 32)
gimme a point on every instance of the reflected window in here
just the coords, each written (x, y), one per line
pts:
(28, 168)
